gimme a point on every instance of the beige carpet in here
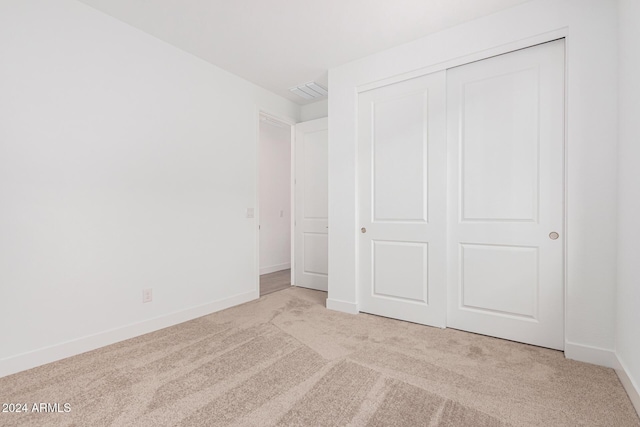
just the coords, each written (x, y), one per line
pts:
(286, 360)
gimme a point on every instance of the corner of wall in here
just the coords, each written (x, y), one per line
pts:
(589, 354)
(343, 306)
(313, 111)
(632, 389)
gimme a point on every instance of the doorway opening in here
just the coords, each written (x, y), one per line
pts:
(275, 205)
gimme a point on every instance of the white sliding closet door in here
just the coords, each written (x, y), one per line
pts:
(402, 206)
(311, 186)
(506, 145)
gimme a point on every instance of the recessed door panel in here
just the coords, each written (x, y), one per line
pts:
(499, 147)
(315, 253)
(499, 279)
(400, 270)
(400, 158)
(315, 175)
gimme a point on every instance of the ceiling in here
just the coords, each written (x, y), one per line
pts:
(278, 44)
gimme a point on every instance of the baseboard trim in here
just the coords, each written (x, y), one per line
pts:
(632, 389)
(344, 306)
(274, 268)
(42, 356)
(589, 354)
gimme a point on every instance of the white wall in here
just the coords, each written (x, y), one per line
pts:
(125, 163)
(275, 198)
(590, 28)
(628, 321)
(316, 110)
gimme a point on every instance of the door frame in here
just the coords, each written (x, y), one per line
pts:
(463, 60)
(260, 112)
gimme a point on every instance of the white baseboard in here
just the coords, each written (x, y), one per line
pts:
(344, 306)
(42, 356)
(589, 354)
(632, 389)
(274, 268)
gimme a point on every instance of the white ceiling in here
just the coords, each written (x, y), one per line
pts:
(278, 44)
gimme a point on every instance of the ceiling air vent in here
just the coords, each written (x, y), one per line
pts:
(310, 90)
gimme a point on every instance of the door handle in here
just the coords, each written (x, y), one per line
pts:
(363, 230)
(553, 235)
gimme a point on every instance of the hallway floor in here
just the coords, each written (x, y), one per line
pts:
(275, 281)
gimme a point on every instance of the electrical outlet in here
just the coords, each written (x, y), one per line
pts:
(147, 295)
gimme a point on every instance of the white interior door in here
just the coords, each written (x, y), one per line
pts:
(506, 145)
(311, 223)
(402, 206)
